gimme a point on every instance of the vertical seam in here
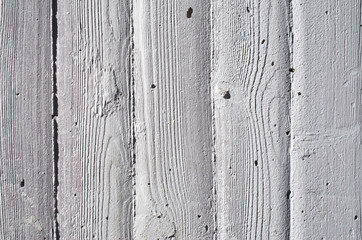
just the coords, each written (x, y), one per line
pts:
(54, 30)
(291, 70)
(213, 128)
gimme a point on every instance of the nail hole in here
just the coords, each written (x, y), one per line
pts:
(299, 93)
(106, 218)
(288, 194)
(287, 132)
(291, 70)
(153, 85)
(227, 95)
(22, 183)
(355, 217)
(199, 216)
(272, 63)
(256, 163)
(247, 9)
(263, 41)
(189, 13)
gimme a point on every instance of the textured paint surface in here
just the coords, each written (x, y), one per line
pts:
(95, 164)
(250, 88)
(195, 119)
(326, 120)
(174, 188)
(26, 166)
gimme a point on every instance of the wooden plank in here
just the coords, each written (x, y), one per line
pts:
(250, 92)
(174, 186)
(94, 91)
(326, 120)
(26, 166)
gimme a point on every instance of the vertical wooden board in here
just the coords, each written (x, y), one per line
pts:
(95, 165)
(174, 190)
(326, 120)
(250, 89)
(26, 165)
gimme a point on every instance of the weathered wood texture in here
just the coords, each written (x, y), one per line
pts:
(174, 179)
(95, 162)
(194, 119)
(26, 166)
(250, 88)
(326, 120)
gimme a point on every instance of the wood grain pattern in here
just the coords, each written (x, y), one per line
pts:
(26, 166)
(326, 120)
(95, 162)
(250, 92)
(174, 186)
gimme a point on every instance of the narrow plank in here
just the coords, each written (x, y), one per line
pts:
(326, 120)
(174, 184)
(250, 92)
(26, 165)
(95, 164)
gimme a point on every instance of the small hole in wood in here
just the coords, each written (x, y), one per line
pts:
(263, 41)
(153, 85)
(199, 216)
(256, 163)
(299, 93)
(22, 183)
(288, 194)
(355, 217)
(291, 70)
(189, 13)
(247, 9)
(287, 132)
(227, 95)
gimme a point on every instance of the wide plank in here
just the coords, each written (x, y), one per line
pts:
(173, 151)
(250, 93)
(326, 120)
(26, 162)
(95, 139)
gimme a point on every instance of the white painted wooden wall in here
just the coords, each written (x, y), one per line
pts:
(192, 119)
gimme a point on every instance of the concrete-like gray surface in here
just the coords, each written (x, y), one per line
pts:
(195, 119)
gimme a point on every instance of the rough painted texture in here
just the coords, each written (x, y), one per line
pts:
(195, 119)
(250, 89)
(174, 187)
(26, 166)
(95, 166)
(326, 120)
